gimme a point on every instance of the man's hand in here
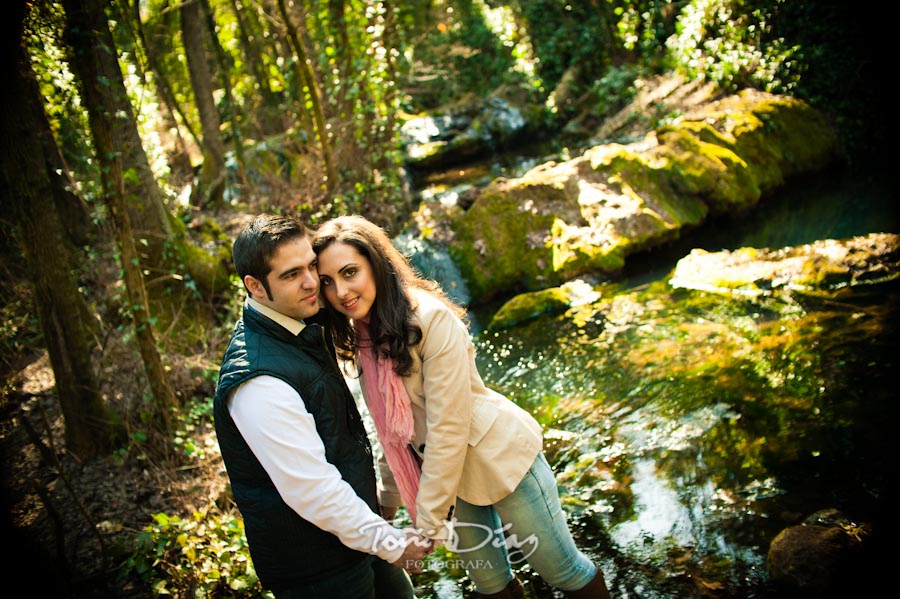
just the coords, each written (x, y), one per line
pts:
(413, 558)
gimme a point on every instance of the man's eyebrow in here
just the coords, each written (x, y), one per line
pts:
(288, 272)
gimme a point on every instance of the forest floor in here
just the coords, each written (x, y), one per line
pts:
(70, 524)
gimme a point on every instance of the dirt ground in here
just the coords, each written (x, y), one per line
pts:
(70, 524)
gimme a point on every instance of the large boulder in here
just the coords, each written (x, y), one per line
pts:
(825, 266)
(586, 215)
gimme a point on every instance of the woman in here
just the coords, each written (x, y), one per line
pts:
(465, 461)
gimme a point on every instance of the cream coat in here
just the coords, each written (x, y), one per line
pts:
(475, 443)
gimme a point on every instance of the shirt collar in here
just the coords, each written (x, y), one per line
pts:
(293, 325)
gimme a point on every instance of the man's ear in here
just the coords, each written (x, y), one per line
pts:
(254, 286)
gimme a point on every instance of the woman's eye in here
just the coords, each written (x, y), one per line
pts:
(324, 282)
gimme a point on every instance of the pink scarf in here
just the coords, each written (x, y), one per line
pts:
(389, 406)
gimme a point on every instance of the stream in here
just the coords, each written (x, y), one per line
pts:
(688, 428)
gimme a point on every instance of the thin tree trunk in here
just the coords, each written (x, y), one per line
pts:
(160, 386)
(336, 10)
(384, 138)
(27, 193)
(224, 63)
(212, 174)
(269, 120)
(293, 80)
(314, 97)
(181, 158)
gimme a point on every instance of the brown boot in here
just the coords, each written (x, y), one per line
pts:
(513, 590)
(595, 589)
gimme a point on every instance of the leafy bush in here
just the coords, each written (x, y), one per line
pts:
(205, 556)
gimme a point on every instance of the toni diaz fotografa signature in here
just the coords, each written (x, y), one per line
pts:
(478, 536)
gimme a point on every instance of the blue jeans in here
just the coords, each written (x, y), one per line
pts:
(531, 522)
(372, 578)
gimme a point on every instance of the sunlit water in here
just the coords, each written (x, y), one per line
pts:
(686, 428)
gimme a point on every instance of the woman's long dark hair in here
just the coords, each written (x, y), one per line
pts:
(391, 324)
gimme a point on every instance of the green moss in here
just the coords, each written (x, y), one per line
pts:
(576, 252)
(501, 244)
(648, 178)
(706, 170)
(774, 137)
(818, 272)
(530, 305)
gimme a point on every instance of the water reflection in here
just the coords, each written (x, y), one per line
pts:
(693, 427)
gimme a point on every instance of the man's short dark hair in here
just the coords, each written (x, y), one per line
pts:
(254, 247)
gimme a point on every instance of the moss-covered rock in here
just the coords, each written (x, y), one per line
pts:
(526, 306)
(824, 265)
(555, 300)
(586, 215)
(470, 127)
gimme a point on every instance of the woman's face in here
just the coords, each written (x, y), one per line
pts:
(346, 280)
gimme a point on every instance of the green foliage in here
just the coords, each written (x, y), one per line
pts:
(459, 54)
(204, 556)
(731, 43)
(615, 89)
(67, 116)
(841, 61)
(566, 34)
(643, 26)
(197, 416)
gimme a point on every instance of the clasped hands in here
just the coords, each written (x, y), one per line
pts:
(417, 547)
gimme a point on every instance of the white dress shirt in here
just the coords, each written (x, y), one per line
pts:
(274, 421)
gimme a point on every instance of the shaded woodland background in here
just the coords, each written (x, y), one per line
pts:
(138, 136)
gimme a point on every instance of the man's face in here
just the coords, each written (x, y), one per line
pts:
(293, 281)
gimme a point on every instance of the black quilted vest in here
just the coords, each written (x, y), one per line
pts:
(288, 551)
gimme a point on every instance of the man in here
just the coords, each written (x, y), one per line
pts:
(292, 440)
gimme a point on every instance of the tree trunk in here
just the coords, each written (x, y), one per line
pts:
(95, 63)
(180, 159)
(270, 120)
(293, 81)
(225, 63)
(344, 50)
(211, 189)
(314, 97)
(105, 120)
(384, 136)
(28, 191)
